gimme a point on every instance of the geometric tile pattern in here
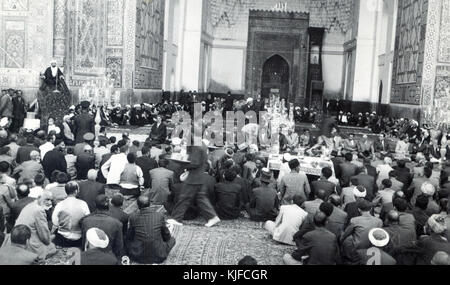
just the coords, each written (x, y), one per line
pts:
(114, 67)
(150, 33)
(229, 18)
(444, 45)
(149, 44)
(88, 37)
(25, 33)
(129, 47)
(14, 44)
(409, 59)
(409, 41)
(115, 22)
(431, 52)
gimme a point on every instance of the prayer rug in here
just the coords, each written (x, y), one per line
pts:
(224, 246)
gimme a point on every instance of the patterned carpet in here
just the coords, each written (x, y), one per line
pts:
(225, 244)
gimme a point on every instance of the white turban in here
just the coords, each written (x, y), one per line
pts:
(4, 122)
(358, 193)
(97, 238)
(379, 237)
(428, 189)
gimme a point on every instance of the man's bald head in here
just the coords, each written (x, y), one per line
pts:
(335, 200)
(320, 219)
(393, 216)
(440, 258)
(143, 202)
(34, 155)
(321, 194)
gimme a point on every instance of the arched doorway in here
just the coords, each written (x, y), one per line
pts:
(275, 78)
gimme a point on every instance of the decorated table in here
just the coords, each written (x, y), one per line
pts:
(310, 165)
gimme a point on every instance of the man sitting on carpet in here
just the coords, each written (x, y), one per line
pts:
(318, 247)
(149, 239)
(67, 216)
(379, 239)
(132, 178)
(113, 168)
(96, 249)
(294, 183)
(17, 253)
(289, 220)
(161, 181)
(264, 203)
(158, 133)
(35, 217)
(227, 197)
(90, 189)
(102, 220)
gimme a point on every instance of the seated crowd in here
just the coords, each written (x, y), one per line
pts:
(386, 197)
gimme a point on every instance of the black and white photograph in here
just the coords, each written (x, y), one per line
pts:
(227, 134)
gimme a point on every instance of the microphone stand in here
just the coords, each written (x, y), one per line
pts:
(57, 76)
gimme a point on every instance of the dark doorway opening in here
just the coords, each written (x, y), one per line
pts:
(380, 98)
(275, 78)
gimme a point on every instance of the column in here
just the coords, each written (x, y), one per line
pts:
(191, 49)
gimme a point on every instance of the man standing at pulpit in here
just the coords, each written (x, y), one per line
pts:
(53, 74)
(53, 104)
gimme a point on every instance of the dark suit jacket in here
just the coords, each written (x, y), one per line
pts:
(158, 134)
(89, 191)
(18, 108)
(23, 153)
(111, 226)
(378, 146)
(85, 162)
(149, 240)
(369, 183)
(209, 182)
(435, 153)
(421, 218)
(100, 177)
(146, 163)
(121, 216)
(264, 204)
(198, 160)
(337, 221)
(83, 124)
(372, 171)
(98, 257)
(404, 175)
(431, 245)
(363, 257)
(54, 160)
(348, 170)
(227, 200)
(320, 245)
(246, 191)
(328, 186)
